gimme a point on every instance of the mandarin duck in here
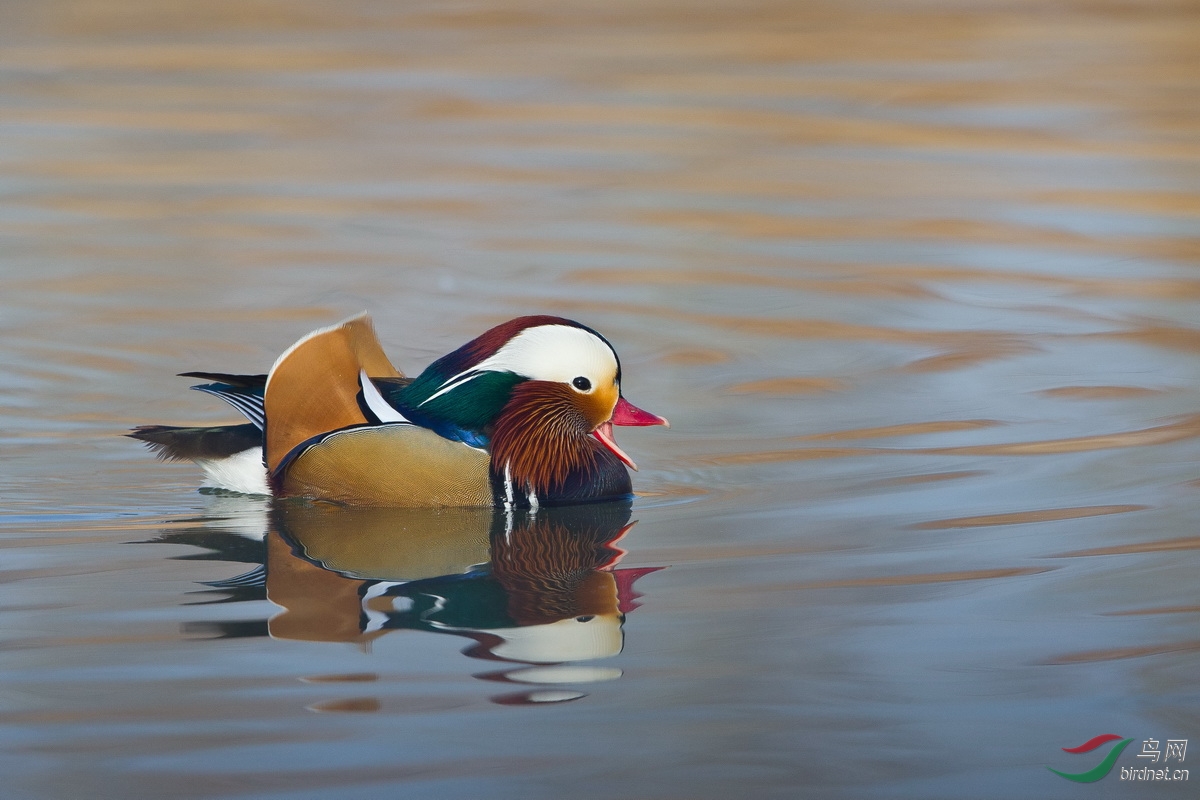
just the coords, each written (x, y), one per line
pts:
(520, 416)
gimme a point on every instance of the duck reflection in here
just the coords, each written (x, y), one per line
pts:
(539, 593)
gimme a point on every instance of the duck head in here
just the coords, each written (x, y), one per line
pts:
(543, 394)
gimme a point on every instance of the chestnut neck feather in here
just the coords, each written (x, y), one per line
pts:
(541, 436)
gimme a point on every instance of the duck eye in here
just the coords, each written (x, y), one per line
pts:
(581, 383)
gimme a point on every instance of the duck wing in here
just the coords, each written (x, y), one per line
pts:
(331, 434)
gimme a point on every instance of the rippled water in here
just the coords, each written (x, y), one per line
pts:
(915, 282)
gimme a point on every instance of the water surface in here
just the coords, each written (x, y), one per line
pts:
(915, 282)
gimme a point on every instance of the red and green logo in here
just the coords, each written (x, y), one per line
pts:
(1104, 767)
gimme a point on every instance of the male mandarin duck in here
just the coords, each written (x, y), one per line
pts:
(520, 416)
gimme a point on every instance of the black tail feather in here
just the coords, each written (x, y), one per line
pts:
(188, 444)
(243, 381)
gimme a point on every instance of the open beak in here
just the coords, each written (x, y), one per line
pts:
(625, 413)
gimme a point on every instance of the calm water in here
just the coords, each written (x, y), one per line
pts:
(917, 283)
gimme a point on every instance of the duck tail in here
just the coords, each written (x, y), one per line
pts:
(172, 443)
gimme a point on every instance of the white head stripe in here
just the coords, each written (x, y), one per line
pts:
(557, 353)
